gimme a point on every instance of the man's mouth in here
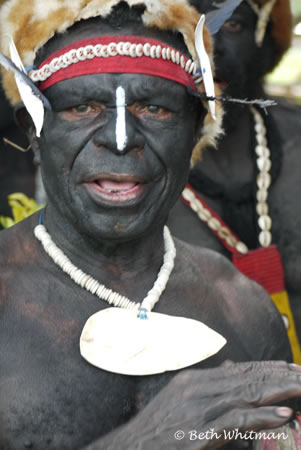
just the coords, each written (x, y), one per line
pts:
(116, 188)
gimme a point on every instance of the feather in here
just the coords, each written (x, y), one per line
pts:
(21, 76)
(215, 19)
(205, 64)
(32, 102)
(33, 99)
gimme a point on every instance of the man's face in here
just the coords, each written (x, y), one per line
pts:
(240, 63)
(115, 150)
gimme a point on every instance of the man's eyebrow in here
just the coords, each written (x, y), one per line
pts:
(154, 90)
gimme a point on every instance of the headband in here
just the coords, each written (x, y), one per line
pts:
(115, 54)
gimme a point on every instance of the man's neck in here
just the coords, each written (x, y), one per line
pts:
(109, 261)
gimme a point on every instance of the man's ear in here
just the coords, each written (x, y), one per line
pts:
(24, 120)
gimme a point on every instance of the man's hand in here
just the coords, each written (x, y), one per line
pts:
(234, 396)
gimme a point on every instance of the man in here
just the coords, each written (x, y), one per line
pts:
(115, 151)
(251, 185)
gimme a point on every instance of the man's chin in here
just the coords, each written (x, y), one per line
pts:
(119, 224)
(113, 231)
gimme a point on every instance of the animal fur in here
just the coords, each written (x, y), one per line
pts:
(32, 23)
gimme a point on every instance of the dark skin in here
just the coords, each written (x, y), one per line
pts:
(50, 396)
(232, 165)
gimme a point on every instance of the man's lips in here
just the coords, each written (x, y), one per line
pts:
(116, 188)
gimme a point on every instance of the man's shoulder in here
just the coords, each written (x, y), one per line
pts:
(285, 106)
(236, 304)
(229, 288)
(16, 243)
(288, 116)
(209, 262)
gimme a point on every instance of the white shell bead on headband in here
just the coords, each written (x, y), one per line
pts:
(111, 50)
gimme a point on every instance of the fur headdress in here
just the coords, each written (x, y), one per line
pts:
(279, 12)
(32, 23)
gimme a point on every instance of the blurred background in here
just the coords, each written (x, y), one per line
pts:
(285, 81)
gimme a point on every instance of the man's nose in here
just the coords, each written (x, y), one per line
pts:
(120, 134)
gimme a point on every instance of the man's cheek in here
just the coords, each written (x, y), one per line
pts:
(61, 141)
(172, 138)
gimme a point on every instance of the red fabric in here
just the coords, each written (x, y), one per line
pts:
(263, 265)
(117, 64)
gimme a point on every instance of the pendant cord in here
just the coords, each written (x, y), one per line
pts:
(101, 291)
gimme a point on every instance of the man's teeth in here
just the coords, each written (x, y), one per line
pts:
(115, 187)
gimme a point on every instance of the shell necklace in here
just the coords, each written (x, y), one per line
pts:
(130, 339)
(206, 215)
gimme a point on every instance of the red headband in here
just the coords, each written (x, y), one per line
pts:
(115, 54)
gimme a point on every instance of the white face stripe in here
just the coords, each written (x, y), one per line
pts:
(121, 136)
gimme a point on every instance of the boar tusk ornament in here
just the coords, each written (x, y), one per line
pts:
(130, 339)
(117, 341)
(205, 65)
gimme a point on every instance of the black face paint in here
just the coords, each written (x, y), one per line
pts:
(240, 64)
(108, 193)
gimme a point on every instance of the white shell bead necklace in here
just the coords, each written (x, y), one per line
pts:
(264, 179)
(119, 341)
(101, 291)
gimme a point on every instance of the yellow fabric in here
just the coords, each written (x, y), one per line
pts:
(282, 303)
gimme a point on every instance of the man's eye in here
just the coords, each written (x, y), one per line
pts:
(151, 111)
(83, 109)
(233, 26)
(154, 109)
